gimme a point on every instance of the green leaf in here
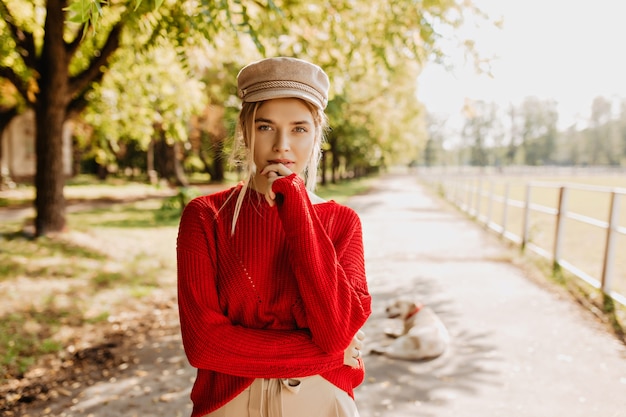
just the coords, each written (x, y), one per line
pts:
(78, 12)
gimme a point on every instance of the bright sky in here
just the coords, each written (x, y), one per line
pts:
(568, 50)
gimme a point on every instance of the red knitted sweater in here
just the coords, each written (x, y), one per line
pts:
(281, 298)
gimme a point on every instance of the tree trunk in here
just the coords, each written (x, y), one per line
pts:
(215, 134)
(334, 159)
(218, 160)
(50, 114)
(334, 169)
(167, 162)
(323, 167)
(179, 172)
(153, 176)
(6, 115)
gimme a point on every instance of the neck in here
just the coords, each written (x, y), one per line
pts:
(258, 182)
(415, 310)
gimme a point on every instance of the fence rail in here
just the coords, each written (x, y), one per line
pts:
(488, 199)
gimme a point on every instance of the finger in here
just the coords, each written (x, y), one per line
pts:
(280, 169)
(350, 360)
(353, 363)
(275, 168)
(360, 335)
(283, 170)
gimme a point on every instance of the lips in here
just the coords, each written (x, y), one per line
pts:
(286, 162)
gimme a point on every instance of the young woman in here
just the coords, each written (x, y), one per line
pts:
(271, 279)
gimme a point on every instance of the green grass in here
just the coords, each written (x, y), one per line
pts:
(136, 277)
(343, 190)
(146, 214)
(41, 258)
(25, 336)
(85, 187)
(14, 202)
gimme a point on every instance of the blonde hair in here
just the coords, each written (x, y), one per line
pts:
(243, 149)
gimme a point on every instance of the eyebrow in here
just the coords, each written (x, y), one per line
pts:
(263, 120)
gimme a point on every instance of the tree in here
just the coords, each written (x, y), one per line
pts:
(480, 120)
(604, 143)
(145, 103)
(52, 67)
(433, 149)
(373, 54)
(55, 57)
(538, 119)
(570, 147)
(622, 129)
(58, 49)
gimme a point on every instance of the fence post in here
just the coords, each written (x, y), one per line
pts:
(526, 224)
(470, 195)
(560, 223)
(505, 207)
(479, 197)
(609, 251)
(451, 192)
(490, 203)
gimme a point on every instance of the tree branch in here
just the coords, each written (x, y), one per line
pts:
(72, 47)
(97, 66)
(79, 101)
(78, 104)
(16, 80)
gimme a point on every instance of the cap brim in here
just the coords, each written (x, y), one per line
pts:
(283, 93)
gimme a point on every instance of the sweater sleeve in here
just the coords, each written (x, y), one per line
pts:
(210, 340)
(330, 270)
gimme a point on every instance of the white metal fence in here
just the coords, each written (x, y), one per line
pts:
(488, 199)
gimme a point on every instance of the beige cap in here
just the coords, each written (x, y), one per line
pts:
(283, 77)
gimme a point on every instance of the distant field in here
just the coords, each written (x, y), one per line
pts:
(583, 244)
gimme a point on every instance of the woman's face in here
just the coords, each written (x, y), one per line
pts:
(284, 133)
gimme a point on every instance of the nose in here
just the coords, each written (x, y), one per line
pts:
(281, 141)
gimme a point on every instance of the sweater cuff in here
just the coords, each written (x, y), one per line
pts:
(289, 186)
(295, 208)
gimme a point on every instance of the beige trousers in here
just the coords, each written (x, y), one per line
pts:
(303, 397)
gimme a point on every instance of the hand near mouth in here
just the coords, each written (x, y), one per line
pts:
(273, 171)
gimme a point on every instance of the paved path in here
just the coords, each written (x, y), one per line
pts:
(518, 350)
